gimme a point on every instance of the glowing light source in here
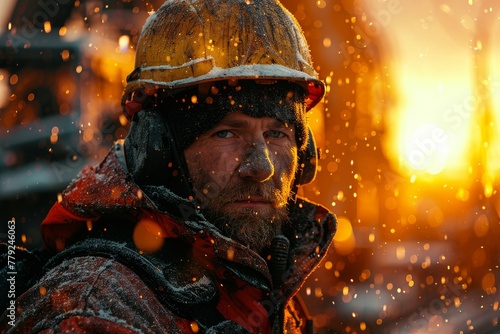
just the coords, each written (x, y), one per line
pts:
(124, 42)
(148, 236)
(344, 240)
(47, 27)
(441, 124)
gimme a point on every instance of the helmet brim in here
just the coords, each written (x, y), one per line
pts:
(164, 77)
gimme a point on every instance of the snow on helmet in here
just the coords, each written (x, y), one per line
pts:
(189, 42)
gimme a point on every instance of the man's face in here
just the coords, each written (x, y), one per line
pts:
(242, 172)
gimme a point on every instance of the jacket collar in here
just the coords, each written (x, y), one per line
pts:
(107, 190)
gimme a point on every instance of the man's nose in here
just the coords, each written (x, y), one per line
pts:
(257, 164)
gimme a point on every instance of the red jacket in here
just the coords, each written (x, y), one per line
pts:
(199, 281)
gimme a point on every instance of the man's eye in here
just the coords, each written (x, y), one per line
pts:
(275, 134)
(224, 134)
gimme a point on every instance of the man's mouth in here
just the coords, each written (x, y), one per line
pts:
(253, 201)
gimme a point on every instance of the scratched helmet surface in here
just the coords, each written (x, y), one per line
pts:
(189, 42)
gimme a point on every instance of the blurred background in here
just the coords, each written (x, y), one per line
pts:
(409, 132)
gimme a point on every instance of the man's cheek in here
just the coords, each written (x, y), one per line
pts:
(211, 185)
(288, 170)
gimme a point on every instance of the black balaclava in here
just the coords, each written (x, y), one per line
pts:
(170, 123)
(198, 110)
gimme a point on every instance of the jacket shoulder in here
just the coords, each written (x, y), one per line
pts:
(94, 294)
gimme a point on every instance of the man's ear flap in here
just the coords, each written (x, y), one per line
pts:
(153, 156)
(307, 160)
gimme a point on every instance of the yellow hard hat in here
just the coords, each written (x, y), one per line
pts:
(189, 42)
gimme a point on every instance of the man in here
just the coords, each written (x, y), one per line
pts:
(192, 223)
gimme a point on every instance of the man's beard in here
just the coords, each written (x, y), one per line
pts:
(246, 225)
